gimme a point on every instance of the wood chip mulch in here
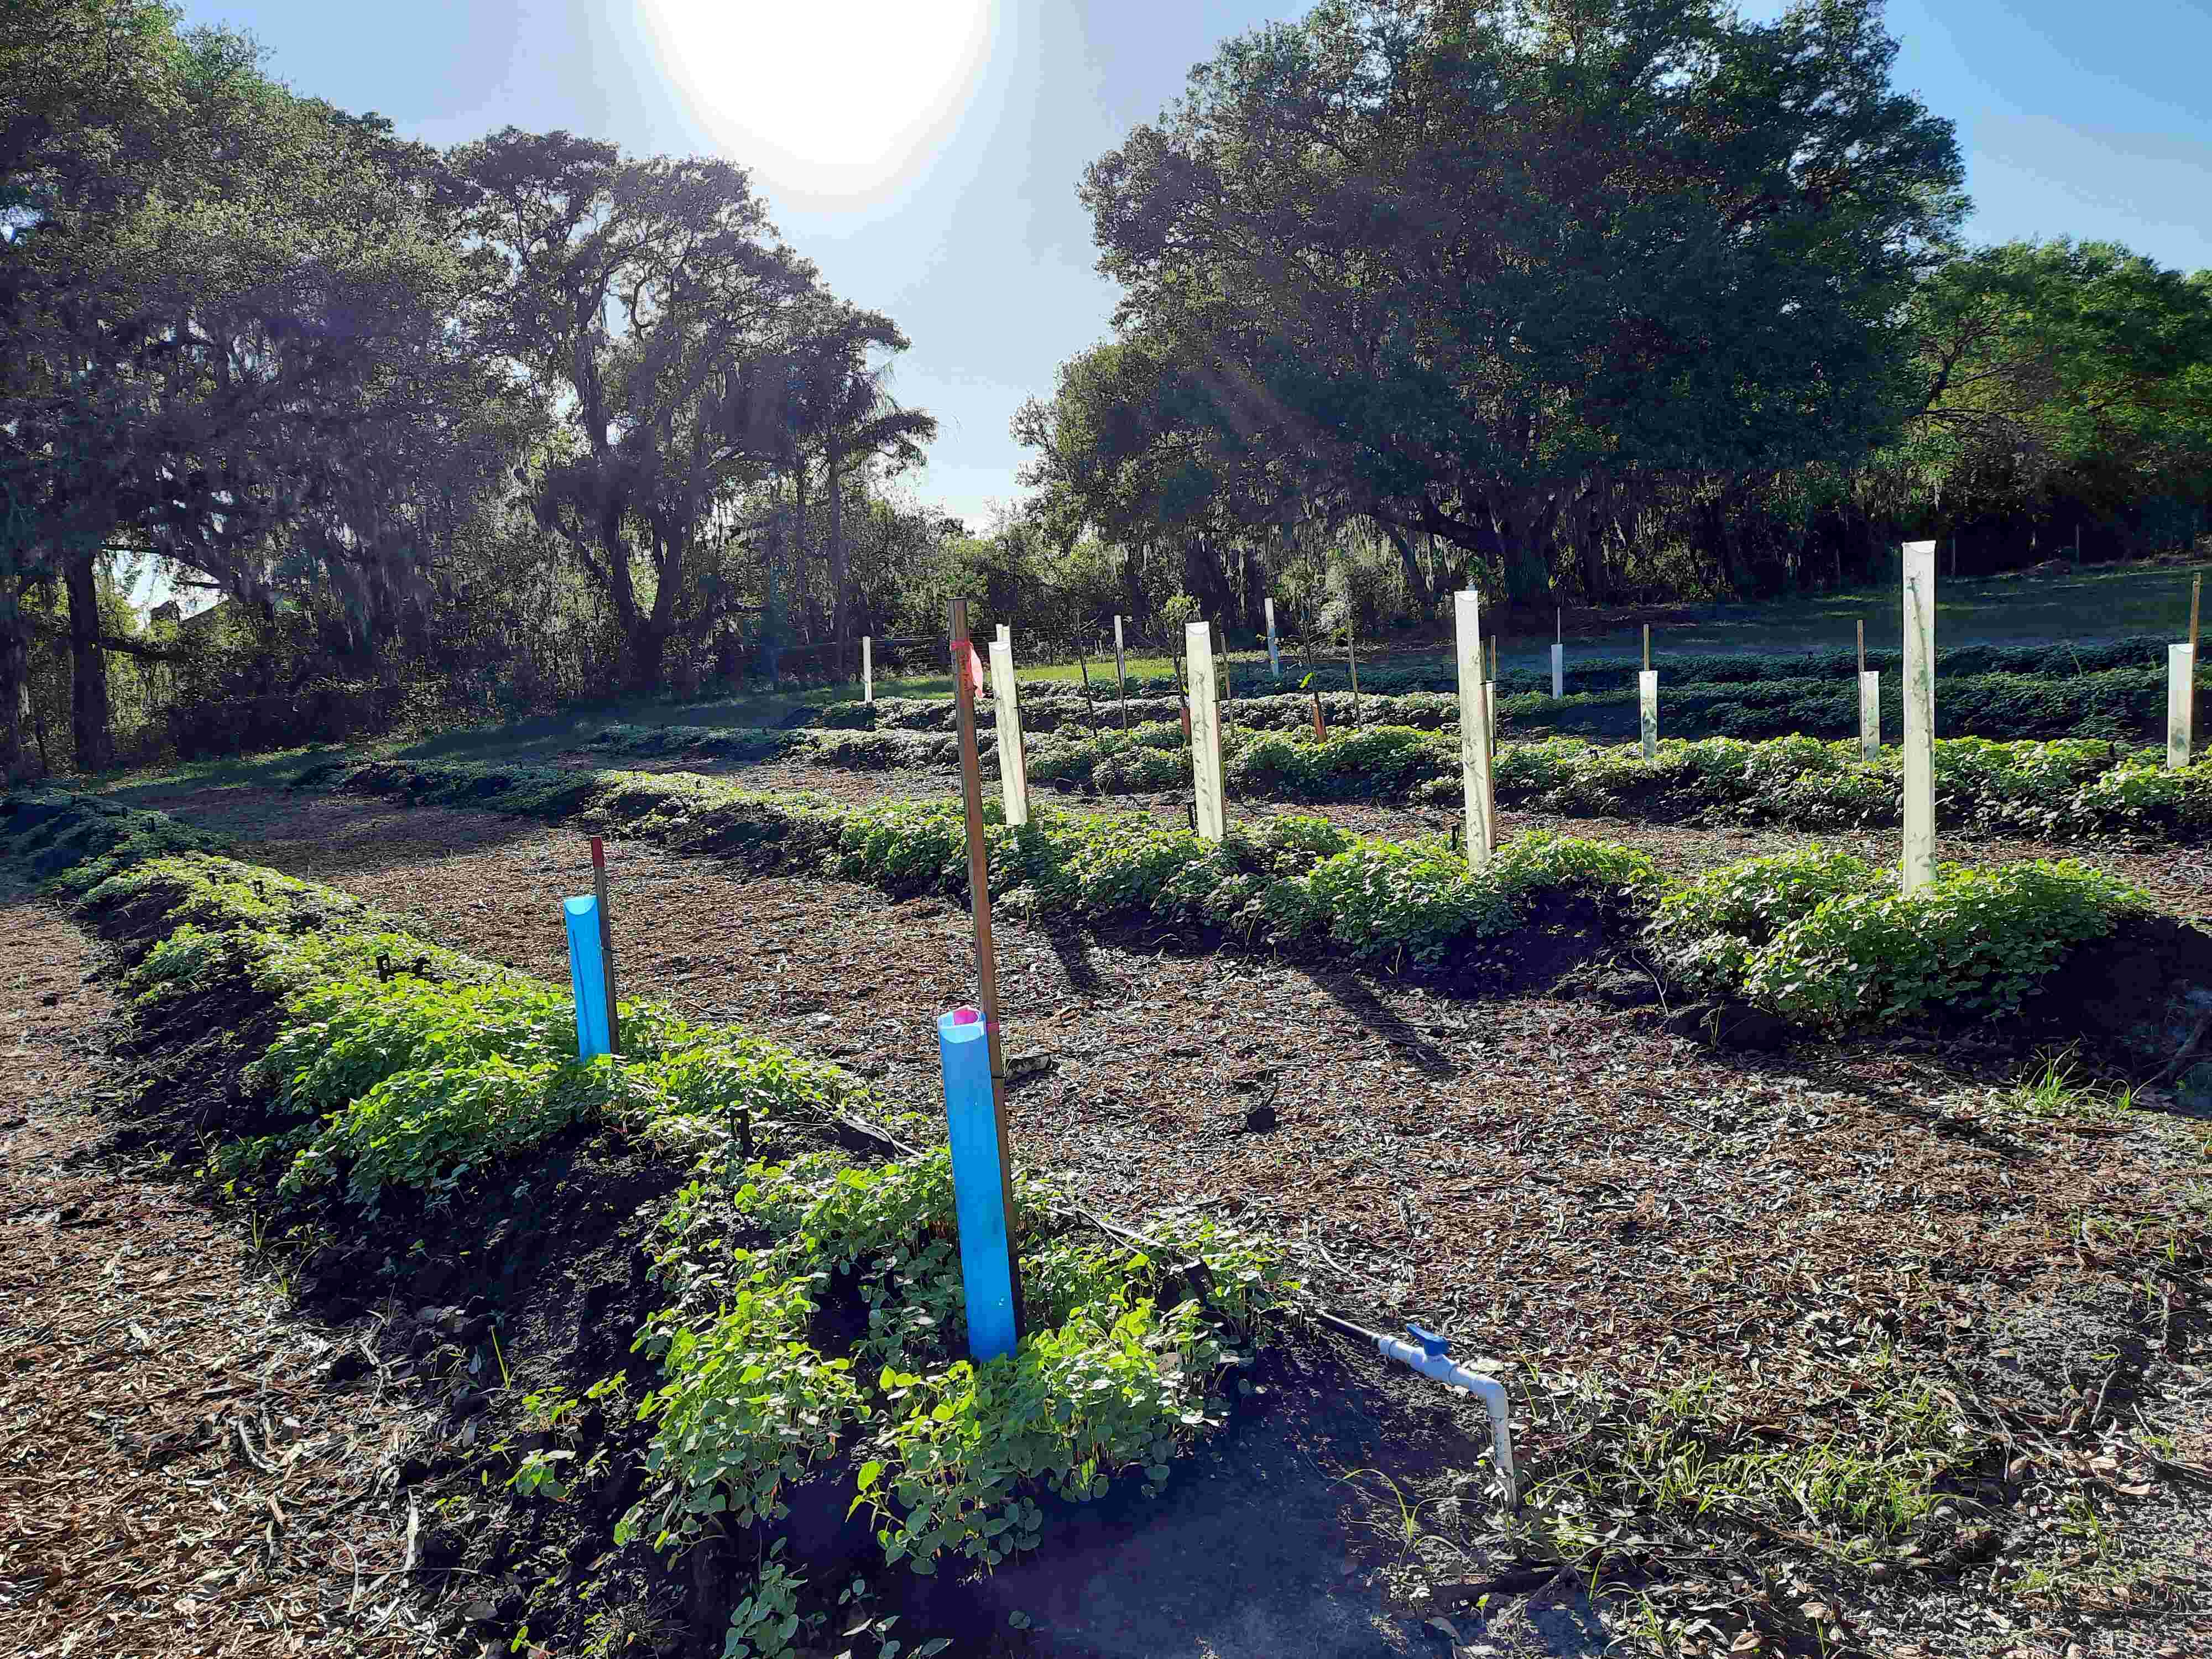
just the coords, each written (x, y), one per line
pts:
(181, 1470)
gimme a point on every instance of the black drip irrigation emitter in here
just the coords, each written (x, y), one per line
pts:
(1427, 1352)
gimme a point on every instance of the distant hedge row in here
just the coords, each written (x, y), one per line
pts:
(1711, 668)
(1819, 938)
(2110, 702)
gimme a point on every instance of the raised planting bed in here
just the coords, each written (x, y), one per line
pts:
(769, 1396)
(1973, 945)
(2065, 787)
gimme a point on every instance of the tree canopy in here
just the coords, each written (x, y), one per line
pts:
(1450, 264)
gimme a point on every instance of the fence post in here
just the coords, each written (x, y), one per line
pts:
(1013, 764)
(1274, 658)
(1473, 723)
(1204, 731)
(1919, 570)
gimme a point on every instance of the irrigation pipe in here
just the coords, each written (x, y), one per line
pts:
(1427, 1354)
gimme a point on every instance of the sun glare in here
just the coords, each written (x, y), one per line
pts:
(826, 101)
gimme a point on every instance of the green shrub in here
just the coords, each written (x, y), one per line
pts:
(747, 1407)
(1973, 943)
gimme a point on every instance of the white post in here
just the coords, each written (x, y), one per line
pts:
(1473, 722)
(2180, 705)
(1647, 693)
(1919, 865)
(867, 669)
(1204, 731)
(1870, 714)
(1559, 670)
(1013, 767)
(1274, 658)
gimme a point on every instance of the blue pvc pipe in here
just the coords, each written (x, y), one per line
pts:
(978, 1189)
(588, 975)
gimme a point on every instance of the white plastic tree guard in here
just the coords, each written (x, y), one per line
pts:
(2180, 705)
(1013, 766)
(1870, 714)
(1473, 725)
(867, 669)
(1204, 731)
(1559, 671)
(1919, 863)
(1274, 657)
(1647, 696)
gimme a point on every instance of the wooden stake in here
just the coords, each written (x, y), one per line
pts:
(1862, 644)
(1321, 725)
(606, 941)
(2195, 598)
(979, 868)
(1647, 647)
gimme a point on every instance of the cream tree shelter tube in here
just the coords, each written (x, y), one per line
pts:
(1204, 731)
(1919, 863)
(867, 669)
(1013, 766)
(1870, 714)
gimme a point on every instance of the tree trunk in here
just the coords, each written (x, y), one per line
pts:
(17, 764)
(840, 580)
(646, 649)
(91, 738)
(1524, 528)
(1417, 580)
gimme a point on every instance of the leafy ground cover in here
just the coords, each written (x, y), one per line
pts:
(2075, 788)
(1841, 950)
(1694, 1261)
(360, 1100)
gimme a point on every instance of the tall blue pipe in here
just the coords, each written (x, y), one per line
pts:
(978, 1189)
(588, 975)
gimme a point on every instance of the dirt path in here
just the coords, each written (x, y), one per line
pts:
(183, 1471)
(2178, 878)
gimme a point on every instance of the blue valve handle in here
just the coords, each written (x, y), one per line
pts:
(1431, 1344)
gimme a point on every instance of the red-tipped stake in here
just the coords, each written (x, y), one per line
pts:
(606, 941)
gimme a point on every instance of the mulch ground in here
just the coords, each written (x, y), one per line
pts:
(1546, 1179)
(179, 1473)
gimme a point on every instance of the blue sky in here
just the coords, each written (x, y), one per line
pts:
(926, 153)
